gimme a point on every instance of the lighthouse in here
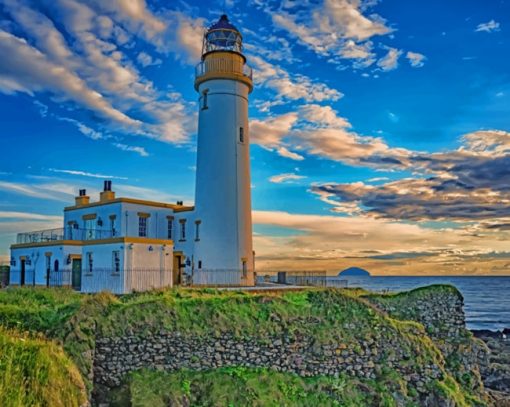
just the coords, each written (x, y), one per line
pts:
(223, 189)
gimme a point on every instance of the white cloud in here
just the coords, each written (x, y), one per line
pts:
(86, 174)
(135, 149)
(82, 61)
(84, 129)
(390, 60)
(416, 59)
(290, 87)
(338, 29)
(54, 191)
(488, 27)
(28, 216)
(271, 131)
(28, 70)
(146, 60)
(281, 178)
(284, 152)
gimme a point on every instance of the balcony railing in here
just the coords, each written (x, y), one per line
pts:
(51, 235)
(222, 65)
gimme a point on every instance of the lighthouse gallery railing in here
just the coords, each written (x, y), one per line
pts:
(223, 65)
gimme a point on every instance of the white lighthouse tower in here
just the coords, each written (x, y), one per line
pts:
(223, 196)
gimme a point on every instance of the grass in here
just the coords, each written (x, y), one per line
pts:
(323, 316)
(36, 372)
(255, 387)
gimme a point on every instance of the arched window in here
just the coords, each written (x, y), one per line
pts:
(55, 266)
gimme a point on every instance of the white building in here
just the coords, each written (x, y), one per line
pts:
(125, 245)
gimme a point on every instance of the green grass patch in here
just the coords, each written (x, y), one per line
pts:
(36, 372)
(255, 387)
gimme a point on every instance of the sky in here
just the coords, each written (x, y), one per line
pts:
(380, 130)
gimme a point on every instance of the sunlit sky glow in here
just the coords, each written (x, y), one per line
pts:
(379, 129)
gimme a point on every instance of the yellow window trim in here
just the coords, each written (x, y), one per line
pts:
(89, 216)
(144, 215)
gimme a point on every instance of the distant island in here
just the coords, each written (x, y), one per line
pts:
(354, 272)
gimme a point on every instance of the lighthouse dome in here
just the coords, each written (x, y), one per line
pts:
(223, 36)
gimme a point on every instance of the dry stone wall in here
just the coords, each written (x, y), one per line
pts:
(115, 357)
(440, 311)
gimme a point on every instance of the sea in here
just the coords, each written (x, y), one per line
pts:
(486, 299)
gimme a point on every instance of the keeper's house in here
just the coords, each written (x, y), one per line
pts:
(116, 244)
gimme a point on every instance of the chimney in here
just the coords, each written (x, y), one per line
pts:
(82, 199)
(107, 194)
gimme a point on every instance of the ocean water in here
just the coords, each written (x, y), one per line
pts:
(486, 299)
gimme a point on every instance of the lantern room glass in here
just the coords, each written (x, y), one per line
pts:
(223, 40)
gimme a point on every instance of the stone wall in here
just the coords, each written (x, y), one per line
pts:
(439, 310)
(115, 357)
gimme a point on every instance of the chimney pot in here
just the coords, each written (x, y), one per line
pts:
(107, 194)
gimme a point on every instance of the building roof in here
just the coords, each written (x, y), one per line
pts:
(175, 207)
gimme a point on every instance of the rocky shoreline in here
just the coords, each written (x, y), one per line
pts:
(496, 375)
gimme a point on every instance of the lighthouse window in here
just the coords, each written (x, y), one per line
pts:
(241, 134)
(204, 99)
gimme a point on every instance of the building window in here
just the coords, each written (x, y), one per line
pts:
(183, 229)
(245, 268)
(55, 266)
(204, 99)
(142, 226)
(170, 227)
(241, 134)
(90, 231)
(200, 264)
(116, 261)
(90, 262)
(113, 225)
(197, 230)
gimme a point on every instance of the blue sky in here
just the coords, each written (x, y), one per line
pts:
(379, 129)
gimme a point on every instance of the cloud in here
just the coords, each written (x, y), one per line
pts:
(28, 216)
(488, 27)
(332, 243)
(416, 59)
(390, 61)
(282, 178)
(183, 37)
(320, 131)
(471, 183)
(271, 131)
(28, 70)
(290, 87)
(80, 58)
(284, 152)
(86, 174)
(336, 29)
(84, 129)
(146, 60)
(55, 191)
(136, 149)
